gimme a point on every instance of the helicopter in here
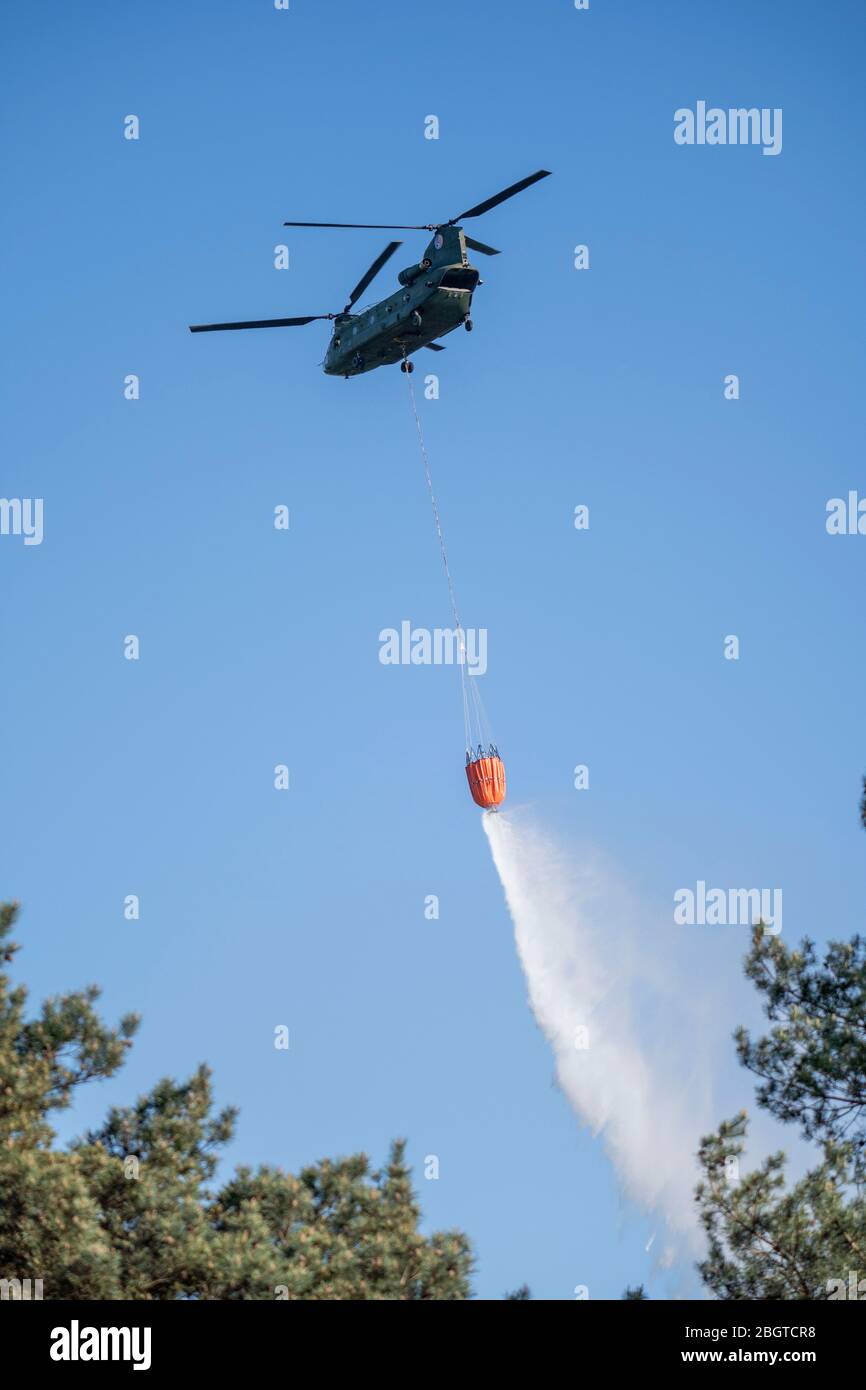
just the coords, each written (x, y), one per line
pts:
(434, 298)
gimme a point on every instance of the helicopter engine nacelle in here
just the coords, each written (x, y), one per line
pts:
(411, 273)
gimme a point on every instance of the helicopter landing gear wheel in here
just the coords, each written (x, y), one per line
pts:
(407, 366)
(468, 325)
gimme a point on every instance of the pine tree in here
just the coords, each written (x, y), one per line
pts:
(127, 1211)
(812, 1064)
(50, 1221)
(766, 1239)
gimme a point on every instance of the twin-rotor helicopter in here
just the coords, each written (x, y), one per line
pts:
(434, 298)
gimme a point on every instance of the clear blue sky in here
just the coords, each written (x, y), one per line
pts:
(601, 387)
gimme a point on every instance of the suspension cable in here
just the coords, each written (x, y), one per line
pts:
(471, 702)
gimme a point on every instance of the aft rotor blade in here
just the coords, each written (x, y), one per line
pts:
(371, 273)
(481, 246)
(369, 226)
(501, 197)
(257, 323)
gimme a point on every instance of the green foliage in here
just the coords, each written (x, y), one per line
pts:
(768, 1240)
(49, 1218)
(812, 1063)
(635, 1295)
(341, 1232)
(127, 1212)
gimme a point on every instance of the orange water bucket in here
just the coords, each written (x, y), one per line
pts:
(486, 777)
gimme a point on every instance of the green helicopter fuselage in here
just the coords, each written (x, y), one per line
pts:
(434, 298)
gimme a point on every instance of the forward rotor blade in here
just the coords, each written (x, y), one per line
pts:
(371, 273)
(480, 246)
(257, 323)
(501, 197)
(369, 226)
(435, 347)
